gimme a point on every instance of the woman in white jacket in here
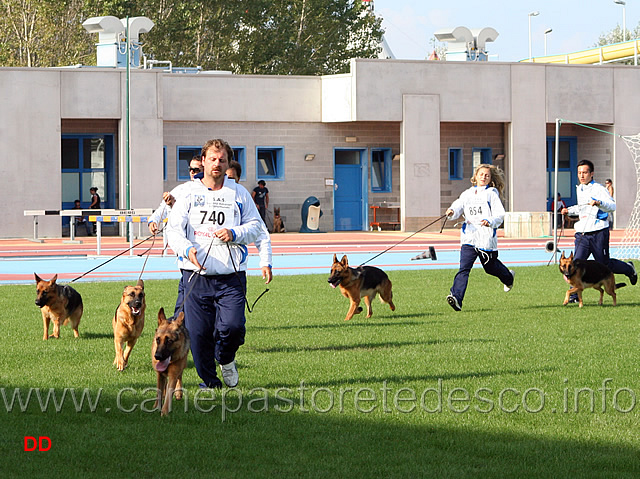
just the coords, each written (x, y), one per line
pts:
(483, 213)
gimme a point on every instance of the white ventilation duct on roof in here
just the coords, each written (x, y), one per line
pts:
(465, 44)
(112, 42)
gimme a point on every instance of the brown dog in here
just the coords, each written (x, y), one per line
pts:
(128, 322)
(278, 224)
(60, 304)
(361, 282)
(581, 274)
(169, 352)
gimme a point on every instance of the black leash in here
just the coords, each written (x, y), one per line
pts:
(411, 235)
(244, 293)
(111, 259)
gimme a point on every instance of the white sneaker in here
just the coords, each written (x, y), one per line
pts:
(513, 278)
(453, 302)
(230, 374)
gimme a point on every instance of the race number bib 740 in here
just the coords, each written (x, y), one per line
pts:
(211, 212)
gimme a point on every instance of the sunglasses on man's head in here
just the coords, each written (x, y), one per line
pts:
(195, 170)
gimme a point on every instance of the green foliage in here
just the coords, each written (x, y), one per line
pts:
(321, 397)
(305, 37)
(616, 36)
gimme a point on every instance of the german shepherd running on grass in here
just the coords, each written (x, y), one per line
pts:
(361, 282)
(60, 304)
(128, 322)
(169, 352)
(581, 274)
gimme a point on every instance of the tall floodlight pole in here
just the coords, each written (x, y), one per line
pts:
(546, 32)
(532, 14)
(624, 18)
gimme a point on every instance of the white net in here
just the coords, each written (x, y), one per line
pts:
(630, 246)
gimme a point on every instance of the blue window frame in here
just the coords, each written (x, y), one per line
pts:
(87, 160)
(240, 155)
(270, 162)
(567, 168)
(481, 156)
(455, 163)
(184, 155)
(164, 163)
(381, 170)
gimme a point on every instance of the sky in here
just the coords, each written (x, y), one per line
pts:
(577, 24)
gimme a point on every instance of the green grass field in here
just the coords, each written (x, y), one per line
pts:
(515, 385)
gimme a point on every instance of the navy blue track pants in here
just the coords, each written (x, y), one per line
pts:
(214, 317)
(490, 262)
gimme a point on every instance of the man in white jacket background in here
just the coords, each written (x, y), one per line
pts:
(592, 230)
(209, 228)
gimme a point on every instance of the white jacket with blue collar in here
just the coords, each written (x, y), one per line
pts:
(479, 203)
(592, 218)
(196, 216)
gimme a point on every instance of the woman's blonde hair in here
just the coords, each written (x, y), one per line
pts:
(497, 177)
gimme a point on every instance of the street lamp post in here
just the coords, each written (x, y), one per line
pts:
(533, 14)
(546, 32)
(624, 18)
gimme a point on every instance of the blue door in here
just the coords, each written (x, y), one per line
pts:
(348, 199)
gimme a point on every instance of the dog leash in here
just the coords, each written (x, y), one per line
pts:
(244, 293)
(411, 235)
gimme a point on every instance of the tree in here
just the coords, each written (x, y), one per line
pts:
(305, 37)
(615, 36)
(299, 37)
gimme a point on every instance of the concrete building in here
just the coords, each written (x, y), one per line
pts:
(405, 132)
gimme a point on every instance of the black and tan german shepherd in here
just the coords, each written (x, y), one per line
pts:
(278, 224)
(128, 322)
(169, 352)
(582, 274)
(60, 304)
(361, 282)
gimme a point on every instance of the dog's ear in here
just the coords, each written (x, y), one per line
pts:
(161, 317)
(571, 256)
(140, 283)
(39, 279)
(53, 280)
(180, 319)
(344, 261)
(562, 255)
(335, 259)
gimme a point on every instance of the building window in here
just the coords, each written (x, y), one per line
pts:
(87, 160)
(183, 158)
(455, 163)
(381, 170)
(164, 163)
(269, 163)
(240, 155)
(481, 156)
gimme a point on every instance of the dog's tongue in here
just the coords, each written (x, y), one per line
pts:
(333, 285)
(566, 279)
(135, 311)
(161, 366)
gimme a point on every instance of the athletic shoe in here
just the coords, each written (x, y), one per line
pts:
(513, 278)
(230, 374)
(453, 302)
(216, 385)
(573, 298)
(634, 277)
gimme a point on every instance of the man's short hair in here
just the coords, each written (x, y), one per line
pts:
(262, 182)
(237, 167)
(588, 163)
(219, 145)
